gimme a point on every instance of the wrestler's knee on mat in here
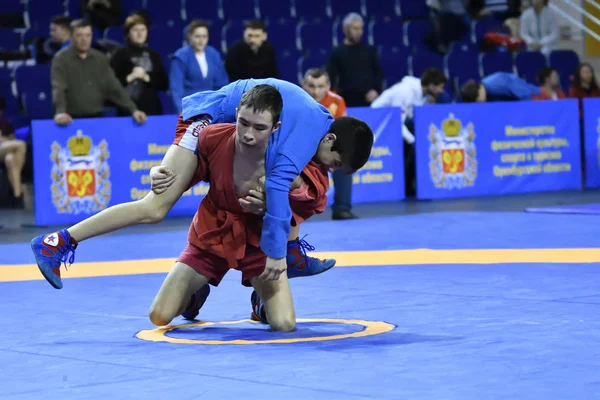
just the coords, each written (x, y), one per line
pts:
(283, 322)
(159, 316)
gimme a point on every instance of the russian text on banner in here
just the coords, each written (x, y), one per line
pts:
(382, 178)
(591, 125)
(92, 164)
(497, 148)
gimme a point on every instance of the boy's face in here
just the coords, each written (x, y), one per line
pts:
(331, 160)
(254, 128)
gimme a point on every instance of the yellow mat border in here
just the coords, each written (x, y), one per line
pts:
(27, 272)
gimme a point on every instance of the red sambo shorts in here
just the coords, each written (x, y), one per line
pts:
(215, 267)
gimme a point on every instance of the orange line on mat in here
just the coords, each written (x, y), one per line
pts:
(26, 272)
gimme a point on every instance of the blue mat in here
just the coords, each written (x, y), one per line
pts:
(567, 209)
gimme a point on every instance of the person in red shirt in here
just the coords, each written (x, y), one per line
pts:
(584, 85)
(550, 85)
(316, 83)
(226, 230)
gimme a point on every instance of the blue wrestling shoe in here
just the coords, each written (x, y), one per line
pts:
(258, 309)
(52, 250)
(196, 303)
(299, 264)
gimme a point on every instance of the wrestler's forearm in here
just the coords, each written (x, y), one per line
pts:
(276, 222)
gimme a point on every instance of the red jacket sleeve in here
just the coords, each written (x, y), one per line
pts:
(310, 198)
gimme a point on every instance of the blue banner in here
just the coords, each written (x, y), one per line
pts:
(497, 148)
(93, 164)
(591, 126)
(382, 178)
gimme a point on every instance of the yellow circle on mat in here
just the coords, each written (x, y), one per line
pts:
(371, 328)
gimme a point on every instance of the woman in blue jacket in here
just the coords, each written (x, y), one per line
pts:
(197, 66)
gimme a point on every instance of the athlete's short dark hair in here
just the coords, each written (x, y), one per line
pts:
(263, 98)
(354, 141)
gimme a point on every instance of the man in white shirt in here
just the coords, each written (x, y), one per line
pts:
(539, 28)
(411, 92)
(407, 94)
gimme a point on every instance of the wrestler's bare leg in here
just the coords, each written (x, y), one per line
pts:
(277, 298)
(12, 154)
(175, 293)
(149, 210)
(294, 232)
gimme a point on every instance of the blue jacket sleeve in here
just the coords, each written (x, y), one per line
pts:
(176, 77)
(277, 219)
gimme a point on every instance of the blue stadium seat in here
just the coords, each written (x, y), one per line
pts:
(415, 32)
(382, 8)
(394, 61)
(496, 62)
(235, 9)
(9, 39)
(32, 33)
(311, 9)
(463, 46)
(41, 11)
(287, 62)
(74, 9)
(11, 6)
(386, 31)
(282, 34)
(565, 62)
(275, 9)
(165, 39)
(422, 60)
(215, 33)
(340, 8)
(464, 65)
(38, 103)
(316, 35)
(165, 12)
(115, 33)
(33, 77)
(233, 31)
(12, 105)
(414, 9)
(486, 25)
(528, 64)
(314, 59)
(207, 10)
(167, 103)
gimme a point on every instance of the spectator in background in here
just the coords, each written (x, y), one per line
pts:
(139, 68)
(12, 155)
(197, 66)
(501, 10)
(411, 92)
(82, 81)
(584, 84)
(452, 22)
(550, 85)
(354, 67)
(499, 86)
(102, 13)
(316, 83)
(253, 57)
(60, 36)
(407, 94)
(539, 28)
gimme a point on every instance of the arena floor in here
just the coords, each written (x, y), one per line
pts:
(462, 299)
